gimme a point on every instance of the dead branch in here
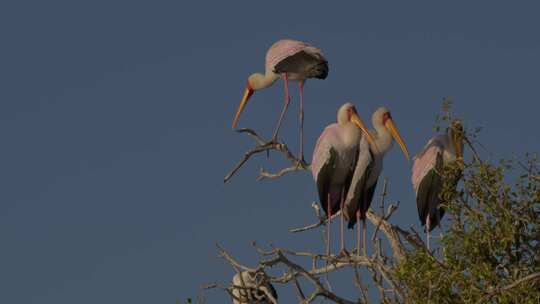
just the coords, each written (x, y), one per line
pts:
(358, 283)
(299, 292)
(262, 146)
(388, 229)
(322, 220)
(390, 232)
(278, 256)
(263, 174)
(377, 265)
(381, 206)
(319, 288)
(232, 261)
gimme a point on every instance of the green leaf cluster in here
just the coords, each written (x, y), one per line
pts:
(490, 248)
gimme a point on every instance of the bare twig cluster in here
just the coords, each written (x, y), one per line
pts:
(266, 146)
(380, 266)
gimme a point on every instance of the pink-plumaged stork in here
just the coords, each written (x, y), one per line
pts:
(291, 60)
(427, 181)
(334, 160)
(368, 168)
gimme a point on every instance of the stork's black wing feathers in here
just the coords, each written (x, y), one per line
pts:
(427, 198)
(359, 194)
(350, 177)
(304, 63)
(324, 180)
(367, 199)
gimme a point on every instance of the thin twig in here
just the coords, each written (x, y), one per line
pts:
(299, 291)
(262, 146)
(388, 229)
(391, 209)
(263, 174)
(358, 283)
(381, 206)
(322, 220)
(493, 291)
(231, 260)
(391, 235)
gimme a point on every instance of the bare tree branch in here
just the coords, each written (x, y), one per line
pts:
(391, 234)
(263, 174)
(262, 146)
(322, 220)
(299, 291)
(295, 271)
(388, 229)
(320, 290)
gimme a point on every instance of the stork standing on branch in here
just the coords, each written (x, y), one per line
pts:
(291, 60)
(368, 168)
(440, 151)
(334, 160)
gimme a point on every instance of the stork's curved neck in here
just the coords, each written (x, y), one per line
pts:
(259, 81)
(383, 139)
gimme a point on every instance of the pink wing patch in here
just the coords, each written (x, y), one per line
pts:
(285, 48)
(425, 161)
(321, 153)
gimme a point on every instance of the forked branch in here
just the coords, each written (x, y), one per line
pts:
(266, 146)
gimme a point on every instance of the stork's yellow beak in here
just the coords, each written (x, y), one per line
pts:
(395, 134)
(247, 94)
(360, 124)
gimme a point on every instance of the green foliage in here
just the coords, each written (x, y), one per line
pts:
(490, 250)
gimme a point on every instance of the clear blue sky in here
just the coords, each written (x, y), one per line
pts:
(115, 128)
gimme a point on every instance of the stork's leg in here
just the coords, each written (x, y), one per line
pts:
(358, 233)
(301, 85)
(285, 107)
(342, 250)
(328, 224)
(364, 248)
(428, 224)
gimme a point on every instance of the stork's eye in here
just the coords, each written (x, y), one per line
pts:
(386, 116)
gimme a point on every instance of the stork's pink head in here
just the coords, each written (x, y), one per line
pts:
(382, 117)
(347, 114)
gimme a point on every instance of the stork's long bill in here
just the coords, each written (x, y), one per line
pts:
(360, 124)
(247, 94)
(391, 126)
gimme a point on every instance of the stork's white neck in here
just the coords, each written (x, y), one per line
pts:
(450, 145)
(259, 81)
(351, 135)
(383, 139)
